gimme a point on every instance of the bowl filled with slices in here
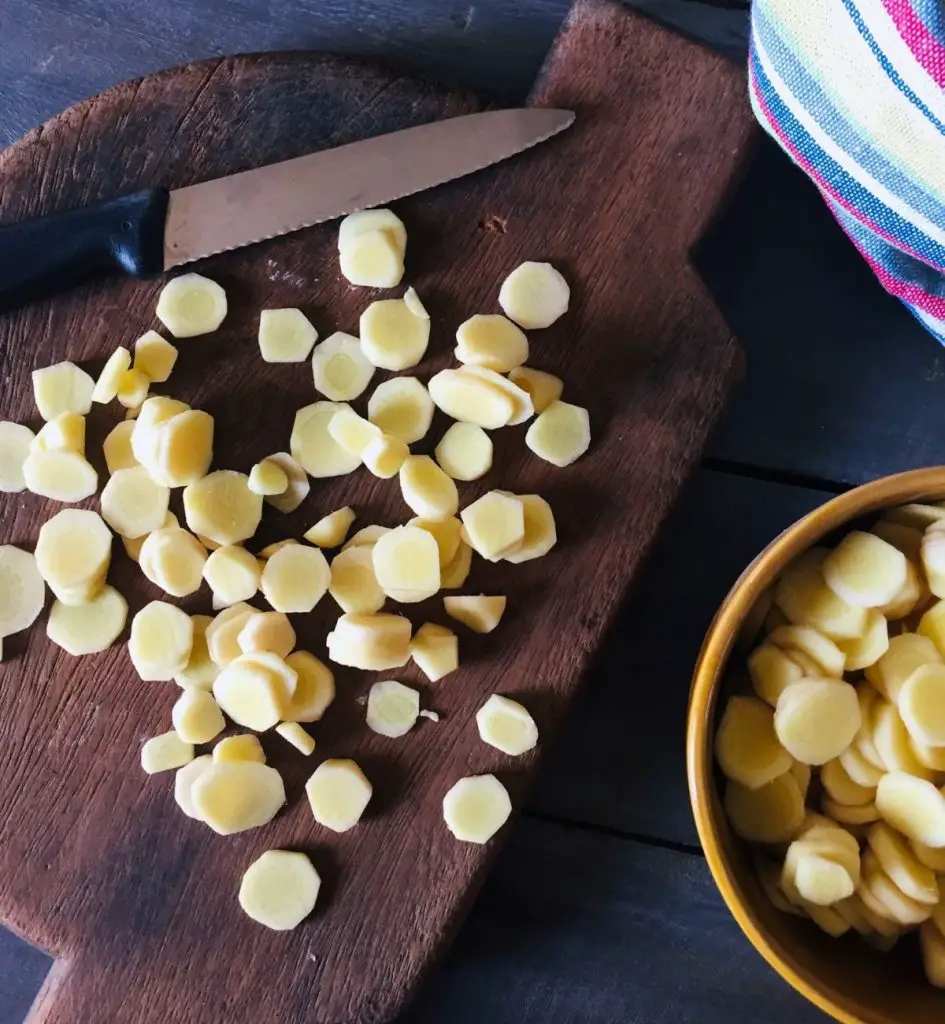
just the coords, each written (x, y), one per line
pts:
(816, 752)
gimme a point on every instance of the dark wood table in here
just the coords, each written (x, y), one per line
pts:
(601, 908)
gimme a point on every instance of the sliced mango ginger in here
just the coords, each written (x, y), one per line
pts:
(338, 792)
(293, 733)
(61, 475)
(492, 341)
(401, 408)
(66, 433)
(495, 524)
(298, 486)
(392, 708)
(534, 295)
(746, 745)
(340, 368)
(372, 259)
(161, 640)
(476, 807)
(155, 357)
(166, 752)
(222, 507)
(73, 552)
(62, 388)
(370, 641)
(313, 447)
(173, 560)
(394, 333)
(196, 716)
(465, 452)
(232, 573)
(543, 388)
(190, 305)
(295, 578)
(471, 399)
(427, 489)
(233, 796)
(385, 456)
(245, 747)
(22, 590)
(506, 725)
(330, 531)
(354, 584)
(15, 446)
(362, 221)
(406, 564)
(561, 434)
(267, 477)
(279, 889)
(435, 649)
(285, 336)
(314, 689)
(481, 613)
(134, 505)
(87, 628)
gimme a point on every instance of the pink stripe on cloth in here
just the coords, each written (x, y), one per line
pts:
(824, 186)
(928, 51)
(909, 293)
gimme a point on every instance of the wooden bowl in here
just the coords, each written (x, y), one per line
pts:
(844, 977)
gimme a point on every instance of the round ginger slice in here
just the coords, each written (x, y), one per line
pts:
(407, 564)
(161, 640)
(812, 875)
(773, 813)
(22, 590)
(931, 857)
(492, 341)
(448, 534)
(471, 399)
(223, 633)
(338, 793)
(476, 807)
(905, 870)
(543, 388)
(232, 573)
(74, 550)
(166, 752)
(806, 600)
(313, 447)
(65, 433)
(385, 456)
(932, 945)
(61, 388)
(252, 690)
(353, 583)
(401, 408)
(200, 670)
(155, 357)
(370, 641)
(173, 560)
(222, 507)
(869, 648)
(393, 335)
(183, 448)
(913, 807)
(828, 656)
(184, 779)
(435, 650)
(190, 305)
(465, 452)
(61, 475)
(362, 221)
(353, 432)
(392, 708)
(372, 259)
(367, 537)
(314, 688)
(297, 487)
(285, 336)
(864, 570)
(133, 504)
(340, 368)
(427, 489)
(454, 575)
(117, 447)
(245, 747)
(932, 625)
(561, 434)
(540, 532)
(295, 578)
(746, 746)
(481, 613)
(233, 796)
(106, 387)
(133, 389)
(900, 907)
(153, 413)
(906, 653)
(15, 443)
(534, 295)
(842, 789)
(279, 889)
(522, 408)
(772, 671)
(267, 631)
(816, 720)
(506, 725)
(892, 742)
(87, 628)
(196, 716)
(267, 477)
(922, 705)
(495, 524)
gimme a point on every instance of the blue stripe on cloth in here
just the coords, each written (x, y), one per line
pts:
(886, 65)
(838, 180)
(849, 137)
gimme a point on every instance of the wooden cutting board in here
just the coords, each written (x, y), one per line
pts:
(97, 865)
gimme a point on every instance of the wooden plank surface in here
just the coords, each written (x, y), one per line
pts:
(576, 928)
(618, 763)
(654, 362)
(842, 383)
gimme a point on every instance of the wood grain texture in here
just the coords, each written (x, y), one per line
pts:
(96, 863)
(578, 928)
(843, 384)
(619, 763)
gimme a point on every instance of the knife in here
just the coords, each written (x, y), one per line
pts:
(155, 229)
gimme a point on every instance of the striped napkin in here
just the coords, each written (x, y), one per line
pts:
(854, 92)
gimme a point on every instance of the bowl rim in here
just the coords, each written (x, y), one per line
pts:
(897, 489)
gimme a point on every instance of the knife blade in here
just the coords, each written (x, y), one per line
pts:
(153, 230)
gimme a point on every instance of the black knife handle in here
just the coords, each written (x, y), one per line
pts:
(50, 254)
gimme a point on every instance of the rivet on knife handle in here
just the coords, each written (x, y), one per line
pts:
(41, 257)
